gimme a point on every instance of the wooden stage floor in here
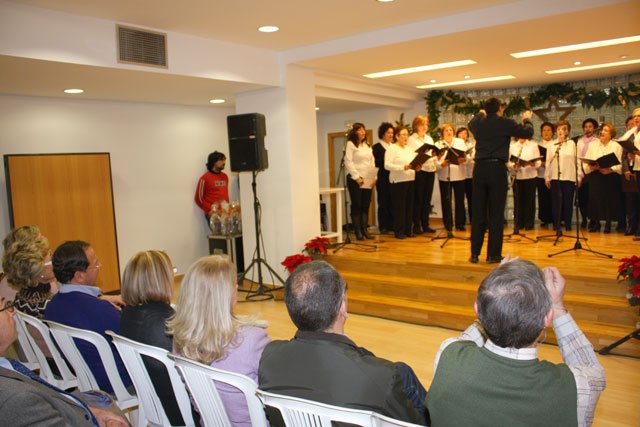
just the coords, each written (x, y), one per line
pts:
(416, 280)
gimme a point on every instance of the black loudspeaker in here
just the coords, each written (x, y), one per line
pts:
(246, 142)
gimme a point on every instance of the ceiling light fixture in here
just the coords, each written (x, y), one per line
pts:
(268, 29)
(432, 81)
(467, 82)
(624, 56)
(385, 1)
(467, 76)
(579, 46)
(217, 101)
(317, 108)
(420, 69)
(594, 67)
(577, 63)
(73, 91)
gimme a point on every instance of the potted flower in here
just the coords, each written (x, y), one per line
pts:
(314, 248)
(629, 273)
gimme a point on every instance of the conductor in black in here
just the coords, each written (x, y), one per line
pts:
(493, 134)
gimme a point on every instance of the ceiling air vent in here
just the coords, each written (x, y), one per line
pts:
(142, 47)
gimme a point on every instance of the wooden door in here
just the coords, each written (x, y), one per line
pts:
(69, 197)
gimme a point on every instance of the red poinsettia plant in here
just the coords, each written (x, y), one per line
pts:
(315, 246)
(318, 245)
(629, 273)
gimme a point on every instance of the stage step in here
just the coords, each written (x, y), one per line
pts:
(443, 295)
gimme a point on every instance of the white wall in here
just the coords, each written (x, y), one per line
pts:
(158, 153)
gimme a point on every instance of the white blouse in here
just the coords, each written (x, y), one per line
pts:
(453, 172)
(414, 142)
(528, 150)
(358, 161)
(598, 149)
(567, 161)
(636, 141)
(395, 159)
(547, 145)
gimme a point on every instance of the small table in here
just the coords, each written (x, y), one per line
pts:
(230, 245)
(338, 226)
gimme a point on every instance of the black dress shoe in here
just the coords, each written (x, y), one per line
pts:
(400, 236)
(429, 230)
(607, 229)
(473, 259)
(568, 228)
(461, 228)
(494, 259)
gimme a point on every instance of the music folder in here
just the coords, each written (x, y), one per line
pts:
(628, 144)
(543, 151)
(604, 162)
(419, 159)
(436, 150)
(522, 162)
(453, 155)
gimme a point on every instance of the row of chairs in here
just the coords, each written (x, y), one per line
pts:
(144, 408)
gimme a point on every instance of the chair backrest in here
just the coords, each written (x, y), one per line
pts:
(25, 345)
(200, 382)
(298, 412)
(384, 421)
(64, 336)
(67, 379)
(131, 352)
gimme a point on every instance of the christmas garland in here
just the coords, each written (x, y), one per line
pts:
(589, 98)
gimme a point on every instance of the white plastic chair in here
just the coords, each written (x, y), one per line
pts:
(25, 345)
(64, 336)
(131, 353)
(67, 379)
(384, 421)
(200, 382)
(298, 412)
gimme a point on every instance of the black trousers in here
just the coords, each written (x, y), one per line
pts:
(423, 191)
(402, 200)
(562, 193)
(446, 190)
(468, 191)
(525, 202)
(632, 208)
(489, 198)
(544, 202)
(604, 197)
(360, 197)
(584, 197)
(385, 211)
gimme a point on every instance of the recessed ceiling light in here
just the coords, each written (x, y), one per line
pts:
(572, 47)
(73, 91)
(594, 67)
(385, 1)
(217, 101)
(577, 63)
(432, 80)
(624, 56)
(268, 29)
(317, 108)
(467, 76)
(419, 69)
(467, 82)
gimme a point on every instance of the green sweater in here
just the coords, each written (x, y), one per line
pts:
(475, 387)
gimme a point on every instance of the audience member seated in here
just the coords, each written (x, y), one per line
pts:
(147, 289)
(28, 400)
(18, 236)
(76, 304)
(321, 364)
(491, 376)
(206, 329)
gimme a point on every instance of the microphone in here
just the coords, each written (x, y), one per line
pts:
(576, 138)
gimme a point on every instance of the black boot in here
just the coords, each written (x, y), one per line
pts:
(365, 231)
(357, 226)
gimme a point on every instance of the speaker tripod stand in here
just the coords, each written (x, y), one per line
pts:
(262, 293)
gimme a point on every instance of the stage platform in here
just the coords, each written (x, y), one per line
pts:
(417, 281)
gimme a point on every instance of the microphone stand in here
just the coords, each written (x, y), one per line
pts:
(347, 240)
(577, 246)
(450, 234)
(516, 190)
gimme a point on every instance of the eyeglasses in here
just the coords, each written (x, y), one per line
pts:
(8, 306)
(96, 267)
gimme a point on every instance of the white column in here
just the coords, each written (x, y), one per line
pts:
(289, 189)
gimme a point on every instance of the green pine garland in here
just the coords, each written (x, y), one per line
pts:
(590, 99)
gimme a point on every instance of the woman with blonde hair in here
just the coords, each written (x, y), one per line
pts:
(147, 289)
(206, 329)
